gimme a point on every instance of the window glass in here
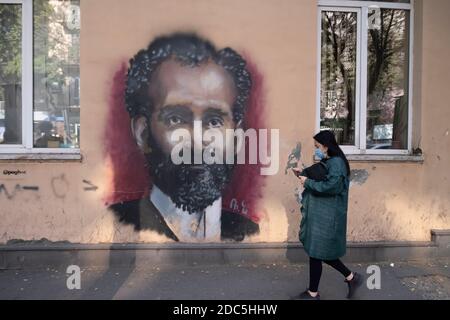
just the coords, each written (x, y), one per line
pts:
(338, 74)
(56, 108)
(388, 80)
(10, 74)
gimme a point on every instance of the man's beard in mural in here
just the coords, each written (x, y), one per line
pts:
(191, 187)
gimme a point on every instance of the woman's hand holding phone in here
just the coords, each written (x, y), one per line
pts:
(296, 171)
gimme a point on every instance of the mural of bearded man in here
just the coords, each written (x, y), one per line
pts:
(178, 80)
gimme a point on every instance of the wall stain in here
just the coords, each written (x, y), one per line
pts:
(42, 241)
(358, 176)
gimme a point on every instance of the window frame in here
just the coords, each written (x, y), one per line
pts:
(27, 93)
(362, 9)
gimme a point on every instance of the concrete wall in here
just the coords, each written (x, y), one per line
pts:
(397, 201)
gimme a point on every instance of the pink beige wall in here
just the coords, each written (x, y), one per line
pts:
(398, 201)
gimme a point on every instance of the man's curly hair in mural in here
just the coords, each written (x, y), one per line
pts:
(188, 49)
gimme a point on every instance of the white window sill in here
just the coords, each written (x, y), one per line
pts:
(41, 156)
(382, 158)
(385, 158)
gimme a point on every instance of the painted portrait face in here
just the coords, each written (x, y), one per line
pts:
(180, 95)
(183, 94)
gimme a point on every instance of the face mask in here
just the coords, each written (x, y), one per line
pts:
(319, 154)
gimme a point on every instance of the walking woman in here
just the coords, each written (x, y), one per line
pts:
(324, 216)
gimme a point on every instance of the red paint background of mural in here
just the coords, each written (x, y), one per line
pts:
(131, 179)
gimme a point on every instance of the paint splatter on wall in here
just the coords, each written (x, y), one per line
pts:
(294, 158)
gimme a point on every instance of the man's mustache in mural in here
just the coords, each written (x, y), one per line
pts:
(191, 187)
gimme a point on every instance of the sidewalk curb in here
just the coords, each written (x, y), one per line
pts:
(35, 255)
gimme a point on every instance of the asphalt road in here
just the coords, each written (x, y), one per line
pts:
(399, 280)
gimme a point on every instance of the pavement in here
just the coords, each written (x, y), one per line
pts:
(412, 280)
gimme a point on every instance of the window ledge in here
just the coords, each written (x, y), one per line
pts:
(76, 157)
(385, 158)
(382, 158)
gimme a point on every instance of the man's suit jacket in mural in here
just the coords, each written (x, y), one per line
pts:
(144, 215)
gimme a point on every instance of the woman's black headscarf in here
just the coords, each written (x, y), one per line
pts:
(328, 139)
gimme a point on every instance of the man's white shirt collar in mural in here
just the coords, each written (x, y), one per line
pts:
(189, 227)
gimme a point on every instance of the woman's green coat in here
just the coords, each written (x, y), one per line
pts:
(323, 228)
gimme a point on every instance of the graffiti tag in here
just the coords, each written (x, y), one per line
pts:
(60, 186)
(234, 206)
(11, 194)
(91, 187)
(15, 172)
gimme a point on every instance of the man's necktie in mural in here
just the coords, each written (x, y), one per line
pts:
(177, 81)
